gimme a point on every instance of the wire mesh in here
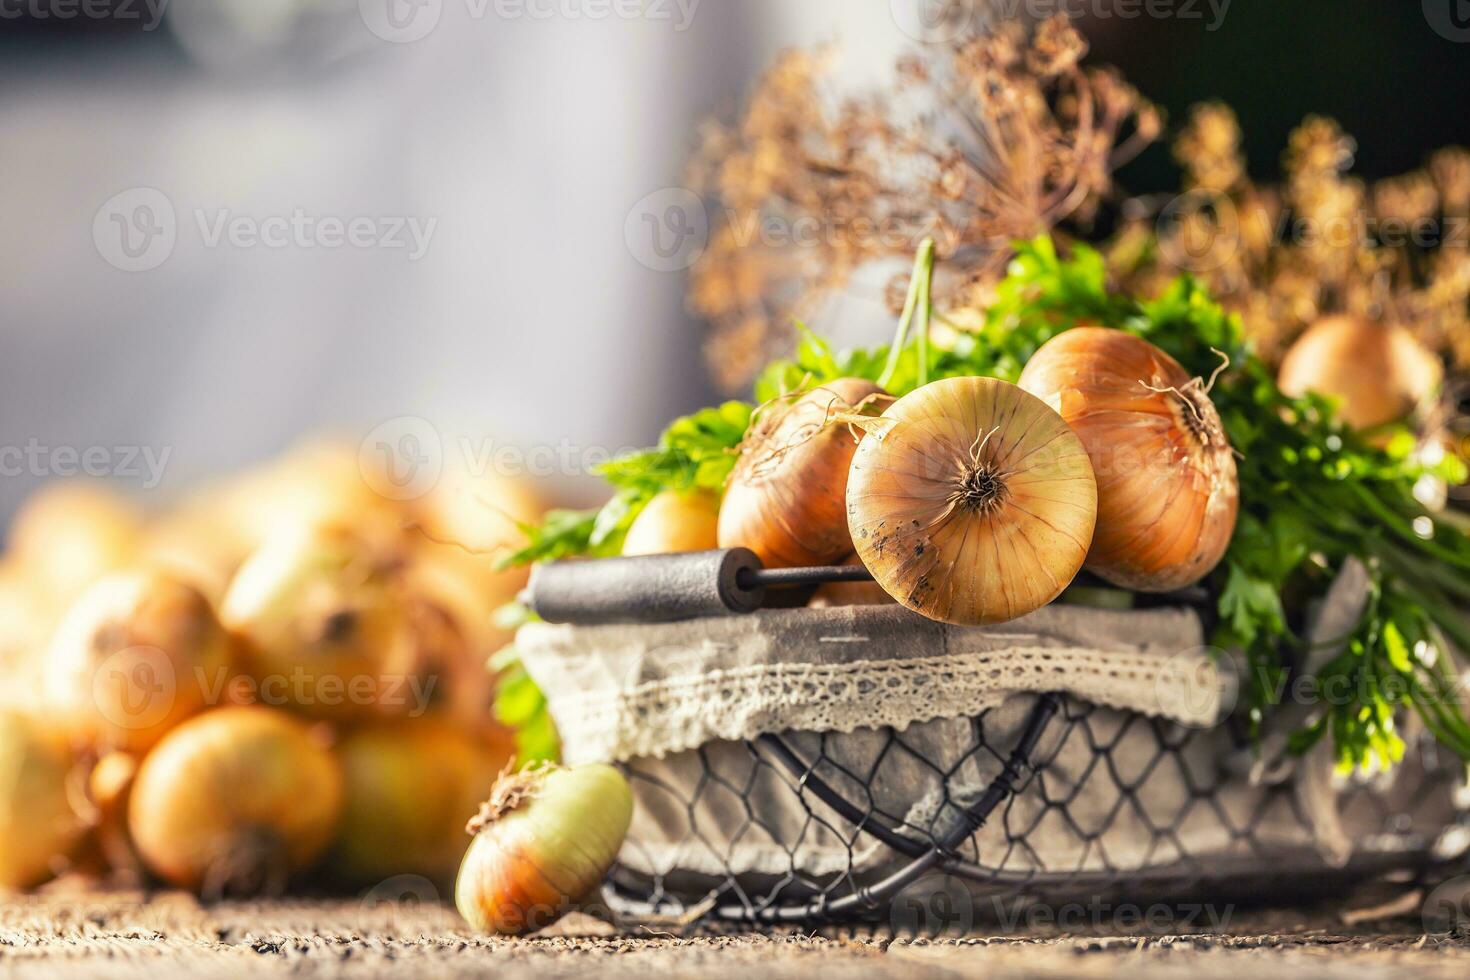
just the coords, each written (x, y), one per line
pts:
(1042, 799)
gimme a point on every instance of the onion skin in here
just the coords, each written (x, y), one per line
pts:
(675, 521)
(785, 498)
(136, 655)
(971, 502)
(410, 786)
(69, 534)
(238, 799)
(1378, 373)
(1168, 494)
(319, 617)
(38, 826)
(543, 843)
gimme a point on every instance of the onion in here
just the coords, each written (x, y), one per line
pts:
(543, 842)
(109, 785)
(138, 653)
(675, 520)
(971, 502)
(1166, 482)
(235, 800)
(409, 789)
(1378, 373)
(38, 825)
(68, 534)
(785, 497)
(324, 625)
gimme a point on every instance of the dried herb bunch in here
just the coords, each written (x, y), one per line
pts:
(1322, 242)
(994, 136)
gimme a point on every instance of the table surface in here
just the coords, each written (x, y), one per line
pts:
(72, 930)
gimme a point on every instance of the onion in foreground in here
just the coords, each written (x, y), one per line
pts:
(38, 825)
(543, 842)
(971, 502)
(1166, 482)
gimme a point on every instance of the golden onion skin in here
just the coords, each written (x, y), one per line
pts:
(971, 502)
(785, 497)
(1167, 489)
(38, 825)
(675, 521)
(1377, 372)
(237, 799)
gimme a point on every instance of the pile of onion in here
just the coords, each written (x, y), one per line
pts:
(1166, 482)
(542, 843)
(970, 501)
(409, 787)
(1378, 373)
(138, 653)
(237, 800)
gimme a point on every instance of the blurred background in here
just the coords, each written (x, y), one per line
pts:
(228, 223)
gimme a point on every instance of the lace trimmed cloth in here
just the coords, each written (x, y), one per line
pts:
(619, 691)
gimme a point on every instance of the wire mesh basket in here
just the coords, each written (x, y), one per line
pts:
(1074, 774)
(1040, 796)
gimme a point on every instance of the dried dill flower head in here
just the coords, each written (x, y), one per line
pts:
(1320, 243)
(992, 136)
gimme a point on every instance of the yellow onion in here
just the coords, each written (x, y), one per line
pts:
(68, 534)
(109, 785)
(138, 653)
(38, 826)
(971, 502)
(785, 497)
(410, 787)
(324, 625)
(675, 520)
(542, 843)
(235, 800)
(1166, 482)
(1377, 372)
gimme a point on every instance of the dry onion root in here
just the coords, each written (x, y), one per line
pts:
(1166, 482)
(543, 842)
(971, 502)
(237, 800)
(785, 497)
